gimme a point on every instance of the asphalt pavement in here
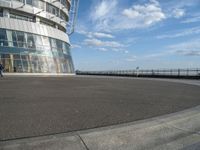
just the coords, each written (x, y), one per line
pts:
(35, 106)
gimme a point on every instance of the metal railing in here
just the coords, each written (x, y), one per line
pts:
(161, 73)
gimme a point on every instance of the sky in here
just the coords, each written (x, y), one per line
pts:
(125, 34)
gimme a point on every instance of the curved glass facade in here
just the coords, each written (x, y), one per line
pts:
(31, 53)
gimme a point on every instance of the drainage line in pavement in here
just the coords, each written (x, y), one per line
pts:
(83, 142)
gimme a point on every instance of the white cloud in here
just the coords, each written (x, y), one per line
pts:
(139, 16)
(102, 49)
(192, 19)
(126, 51)
(191, 31)
(101, 35)
(178, 13)
(99, 43)
(75, 46)
(108, 15)
(102, 13)
(187, 48)
(180, 4)
(105, 45)
(155, 2)
(189, 52)
(93, 42)
(130, 13)
(103, 9)
(131, 58)
(156, 55)
(190, 48)
(95, 34)
(83, 32)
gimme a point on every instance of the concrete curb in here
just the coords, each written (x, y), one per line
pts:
(184, 81)
(173, 131)
(38, 74)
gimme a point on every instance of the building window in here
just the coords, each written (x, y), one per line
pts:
(20, 17)
(65, 48)
(48, 23)
(21, 39)
(30, 41)
(9, 38)
(14, 38)
(3, 38)
(52, 9)
(46, 43)
(36, 54)
(38, 42)
(22, 1)
(1, 12)
(30, 2)
(59, 45)
(64, 2)
(63, 16)
(53, 44)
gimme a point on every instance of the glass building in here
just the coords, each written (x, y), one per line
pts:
(33, 36)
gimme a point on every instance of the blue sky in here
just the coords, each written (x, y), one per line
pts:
(124, 34)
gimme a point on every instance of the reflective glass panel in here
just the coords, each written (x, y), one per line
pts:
(65, 48)
(59, 45)
(14, 38)
(1, 12)
(21, 39)
(3, 38)
(30, 41)
(9, 37)
(34, 53)
(30, 2)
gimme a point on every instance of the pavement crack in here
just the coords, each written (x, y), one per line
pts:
(83, 142)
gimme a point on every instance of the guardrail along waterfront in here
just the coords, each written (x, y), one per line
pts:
(157, 73)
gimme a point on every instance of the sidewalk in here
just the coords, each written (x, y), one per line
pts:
(174, 131)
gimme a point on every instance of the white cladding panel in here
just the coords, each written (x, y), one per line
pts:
(16, 4)
(35, 28)
(33, 10)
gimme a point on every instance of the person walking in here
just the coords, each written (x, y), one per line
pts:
(1, 69)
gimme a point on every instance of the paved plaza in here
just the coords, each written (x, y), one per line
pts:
(35, 106)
